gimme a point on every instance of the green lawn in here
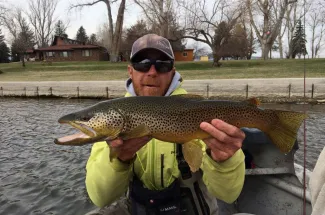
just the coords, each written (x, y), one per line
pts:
(87, 71)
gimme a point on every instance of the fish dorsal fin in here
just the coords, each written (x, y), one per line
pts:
(190, 96)
(140, 131)
(253, 101)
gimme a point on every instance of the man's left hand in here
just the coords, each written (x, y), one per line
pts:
(225, 139)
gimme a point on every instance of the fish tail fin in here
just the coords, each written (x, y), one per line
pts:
(284, 133)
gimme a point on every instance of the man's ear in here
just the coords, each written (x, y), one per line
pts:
(130, 71)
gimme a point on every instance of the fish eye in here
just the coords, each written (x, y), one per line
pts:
(85, 118)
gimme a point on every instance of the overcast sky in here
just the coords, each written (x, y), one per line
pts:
(93, 17)
(89, 17)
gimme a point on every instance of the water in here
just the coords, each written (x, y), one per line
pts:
(39, 177)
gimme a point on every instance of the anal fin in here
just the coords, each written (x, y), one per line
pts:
(193, 154)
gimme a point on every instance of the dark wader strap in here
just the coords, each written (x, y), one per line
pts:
(182, 164)
(187, 174)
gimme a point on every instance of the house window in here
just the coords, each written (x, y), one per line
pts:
(86, 53)
(64, 54)
(184, 54)
(51, 54)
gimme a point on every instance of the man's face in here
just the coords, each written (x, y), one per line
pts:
(151, 83)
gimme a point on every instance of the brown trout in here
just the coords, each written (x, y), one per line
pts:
(177, 119)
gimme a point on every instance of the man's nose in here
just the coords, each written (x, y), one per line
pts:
(152, 70)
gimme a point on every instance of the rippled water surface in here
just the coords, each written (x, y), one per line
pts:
(39, 177)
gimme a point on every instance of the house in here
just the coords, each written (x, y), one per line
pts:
(30, 53)
(65, 49)
(184, 55)
(204, 58)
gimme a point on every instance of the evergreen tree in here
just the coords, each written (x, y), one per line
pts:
(299, 41)
(4, 53)
(60, 29)
(4, 50)
(81, 35)
(15, 55)
(93, 39)
(237, 45)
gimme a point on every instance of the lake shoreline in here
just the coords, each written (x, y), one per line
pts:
(270, 90)
(275, 100)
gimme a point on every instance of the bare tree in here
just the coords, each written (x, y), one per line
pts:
(11, 22)
(269, 31)
(248, 28)
(114, 34)
(103, 36)
(316, 23)
(3, 10)
(160, 13)
(210, 24)
(22, 36)
(131, 34)
(41, 16)
(276, 4)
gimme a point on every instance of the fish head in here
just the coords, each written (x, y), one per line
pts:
(95, 124)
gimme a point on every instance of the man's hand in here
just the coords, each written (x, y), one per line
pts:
(225, 139)
(127, 149)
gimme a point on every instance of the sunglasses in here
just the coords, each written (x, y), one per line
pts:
(161, 66)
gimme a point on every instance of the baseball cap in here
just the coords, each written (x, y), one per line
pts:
(152, 41)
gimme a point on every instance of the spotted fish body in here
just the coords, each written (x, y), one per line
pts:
(176, 119)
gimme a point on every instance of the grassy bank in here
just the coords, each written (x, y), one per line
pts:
(92, 71)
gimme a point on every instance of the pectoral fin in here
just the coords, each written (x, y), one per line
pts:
(113, 153)
(140, 131)
(193, 154)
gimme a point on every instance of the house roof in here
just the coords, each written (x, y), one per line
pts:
(29, 50)
(184, 50)
(70, 41)
(68, 47)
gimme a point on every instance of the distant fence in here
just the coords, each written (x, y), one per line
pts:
(236, 88)
(62, 89)
(56, 92)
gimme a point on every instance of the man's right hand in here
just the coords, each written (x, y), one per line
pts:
(128, 148)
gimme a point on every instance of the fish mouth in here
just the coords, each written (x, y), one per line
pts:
(83, 128)
(86, 136)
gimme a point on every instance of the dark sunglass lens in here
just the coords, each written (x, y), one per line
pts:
(164, 66)
(142, 67)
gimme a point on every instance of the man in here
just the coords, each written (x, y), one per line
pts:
(154, 173)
